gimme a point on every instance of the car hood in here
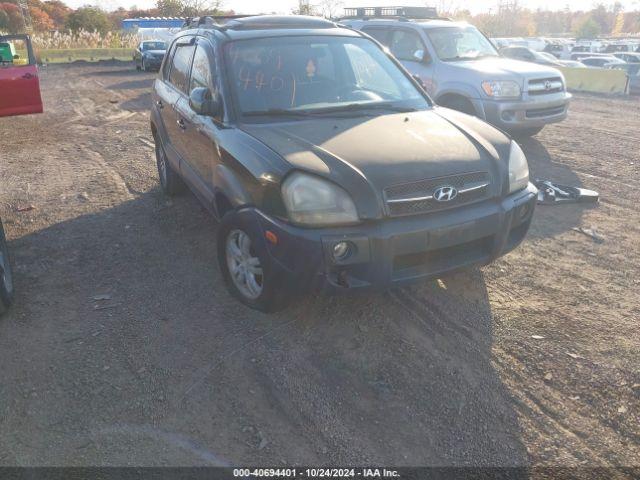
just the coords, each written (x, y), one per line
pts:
(500, 68)
(369, 153)
(155, 53)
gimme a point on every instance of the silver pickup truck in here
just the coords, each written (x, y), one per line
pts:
(461, 69)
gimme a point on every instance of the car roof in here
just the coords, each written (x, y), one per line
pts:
(264, 26)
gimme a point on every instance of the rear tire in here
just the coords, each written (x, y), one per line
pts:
(268, 293)
(6, 276)
(527, 132)
(170, 181)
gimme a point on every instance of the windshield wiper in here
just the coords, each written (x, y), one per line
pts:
(278, 112)
(354, 107)
(467, 57)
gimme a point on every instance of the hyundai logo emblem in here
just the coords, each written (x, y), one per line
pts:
(445, 194)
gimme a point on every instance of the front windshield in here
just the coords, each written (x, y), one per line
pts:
(460, 43)
(315, 73)
(154, 46)
(545, 56)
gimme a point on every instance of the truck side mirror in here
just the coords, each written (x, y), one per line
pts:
(202, 102)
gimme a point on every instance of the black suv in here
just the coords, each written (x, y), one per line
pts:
(327, 164)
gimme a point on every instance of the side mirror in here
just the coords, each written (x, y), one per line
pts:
(201, 102)
(422, 56)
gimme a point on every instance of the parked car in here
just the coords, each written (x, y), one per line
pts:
(571, 64)
(6, 278)
(619, 47)
(601, 62)
(629, 57)
(580, 55)
(562, 51)
(633, 72)
(528, 55)
(327, 164)
(461, 69)
(19, 82)
(148, 54)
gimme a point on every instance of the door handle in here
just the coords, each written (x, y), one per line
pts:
(27, 76)
(159, 104)
(181, 124)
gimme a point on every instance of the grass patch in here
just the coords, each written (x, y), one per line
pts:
(87, 54)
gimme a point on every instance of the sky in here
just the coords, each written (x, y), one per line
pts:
(286, 6)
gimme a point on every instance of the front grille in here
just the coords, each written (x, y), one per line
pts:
(544, 112)
(417, 197)
(545, 86)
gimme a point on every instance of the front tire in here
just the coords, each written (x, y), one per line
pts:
(246, 265)
(6, 275)
(170, 181)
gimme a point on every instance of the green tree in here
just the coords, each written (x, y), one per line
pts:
(88, 18)
(170, 8)
(587, 28)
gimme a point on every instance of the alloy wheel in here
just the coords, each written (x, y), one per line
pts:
(244, 266)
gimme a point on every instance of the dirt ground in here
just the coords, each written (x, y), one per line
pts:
(124, 348)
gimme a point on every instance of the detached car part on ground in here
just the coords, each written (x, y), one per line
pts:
(6, 277)
(19, 83)
(328, 166)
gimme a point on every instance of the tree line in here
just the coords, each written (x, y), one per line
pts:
(55, 15)
(507, 19)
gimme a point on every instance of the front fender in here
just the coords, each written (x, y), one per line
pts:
(464, 90)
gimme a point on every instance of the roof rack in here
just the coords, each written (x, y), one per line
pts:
(210, 21)
(406, 13)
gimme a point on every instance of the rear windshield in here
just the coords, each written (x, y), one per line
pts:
(316, 72)
(154, 46)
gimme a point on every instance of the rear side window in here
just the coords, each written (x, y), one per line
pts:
(405, 45)
(179, 75)
(380, 34)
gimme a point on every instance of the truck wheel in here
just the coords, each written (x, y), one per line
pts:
(246, 265)
(527, 132)
(6, 278)
(170, 181)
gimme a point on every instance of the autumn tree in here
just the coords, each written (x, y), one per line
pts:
(40, 20)
(57, 11)
(11, 19)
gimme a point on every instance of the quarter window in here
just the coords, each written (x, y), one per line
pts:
(201, 71)
(380, 34)
(179, 74)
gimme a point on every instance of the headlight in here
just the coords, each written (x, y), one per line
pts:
(504, 89)
(310, 200)
(518, 168)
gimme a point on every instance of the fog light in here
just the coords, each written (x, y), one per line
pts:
(342, 250)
